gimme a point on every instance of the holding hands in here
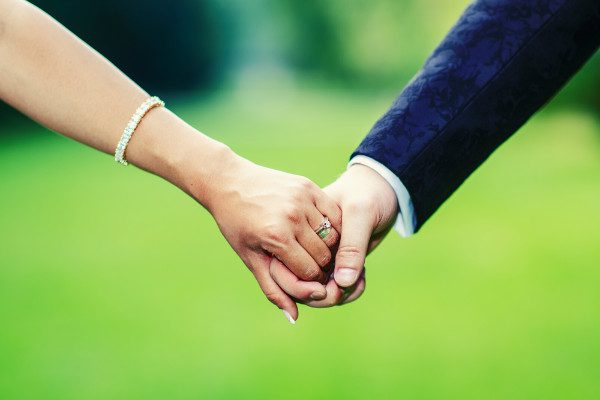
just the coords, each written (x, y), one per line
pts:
(270, 215)
(367, 216)
(273, 220)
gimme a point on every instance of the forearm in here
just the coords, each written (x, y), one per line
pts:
(502, 61)
(53, 77)
(56, 79)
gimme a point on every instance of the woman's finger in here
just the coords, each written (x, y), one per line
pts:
(329, 236)
(293, 286)
(300, 262)
(314, 245)
(329, 208)
(260, 269)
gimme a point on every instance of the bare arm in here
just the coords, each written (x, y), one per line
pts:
(53, 77)
(56, 79)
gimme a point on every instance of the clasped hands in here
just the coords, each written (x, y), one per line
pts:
(269, 218)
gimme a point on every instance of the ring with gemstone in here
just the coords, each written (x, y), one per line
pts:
(324, 229)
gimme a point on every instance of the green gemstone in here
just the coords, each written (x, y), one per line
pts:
(324, 232)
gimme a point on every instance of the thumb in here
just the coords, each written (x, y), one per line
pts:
(357, 229)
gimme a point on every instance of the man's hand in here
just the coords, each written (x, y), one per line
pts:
(369, 208)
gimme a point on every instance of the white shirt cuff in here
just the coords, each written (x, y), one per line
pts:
(406, 221)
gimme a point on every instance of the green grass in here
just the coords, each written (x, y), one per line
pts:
(114, 285)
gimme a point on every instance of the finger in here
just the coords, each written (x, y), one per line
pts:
(293, 286)
(315, 219)
(300, 262)
(350, 257)
(356, 291)
(335, 294)
(260, 270)
(314, 245)
(329, 208)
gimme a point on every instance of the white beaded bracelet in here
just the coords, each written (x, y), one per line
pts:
(132, 125)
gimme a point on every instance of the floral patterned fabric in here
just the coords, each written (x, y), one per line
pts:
(499, 64)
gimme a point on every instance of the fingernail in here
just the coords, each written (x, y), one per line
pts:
(319, 295)
(345, 276)
(289, 317)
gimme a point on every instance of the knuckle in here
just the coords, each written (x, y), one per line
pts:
(350, 250)
(273, 297)
(275, 235)
(324, 259)
(351, 254)
(357, 205)
(293, 215)
(311, 274)
(333, 300)
(306, 184)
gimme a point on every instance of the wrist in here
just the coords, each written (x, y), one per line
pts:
(168, 147)
(206, 170)
(380, 195)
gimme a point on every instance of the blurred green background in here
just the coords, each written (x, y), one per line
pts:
(115, 285)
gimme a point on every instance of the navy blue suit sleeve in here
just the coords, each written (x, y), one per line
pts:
(502, 61)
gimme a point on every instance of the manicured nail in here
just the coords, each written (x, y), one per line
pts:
(345, 276)
(289, 317)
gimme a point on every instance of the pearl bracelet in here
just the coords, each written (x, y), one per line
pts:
(133, 124)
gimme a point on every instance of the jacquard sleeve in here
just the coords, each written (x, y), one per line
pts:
(502, 61)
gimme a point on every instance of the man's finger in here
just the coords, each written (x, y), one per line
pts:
(357, 291)
(350, 258)
(296, 288)
(335, 294)
(300, 262)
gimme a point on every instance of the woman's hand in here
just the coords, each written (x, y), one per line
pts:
(368, 216)
(53, 77)
(264, 213)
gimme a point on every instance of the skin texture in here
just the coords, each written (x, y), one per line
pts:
(50, 75)
(368, 215)
(262, 212)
